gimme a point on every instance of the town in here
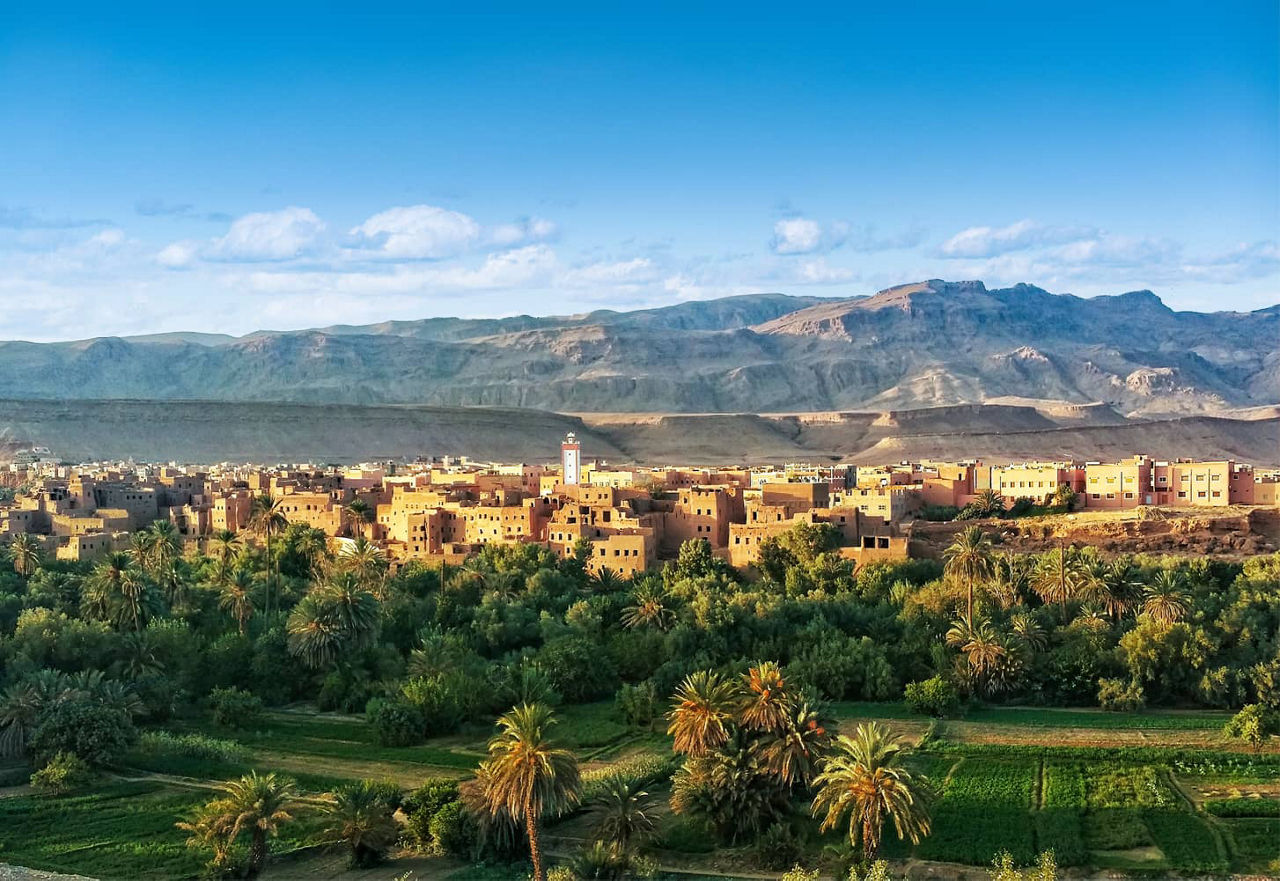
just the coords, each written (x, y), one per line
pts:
(448, 508)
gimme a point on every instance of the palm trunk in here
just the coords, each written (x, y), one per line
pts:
(970, 603)
(869, 844)
(535, 848)
(257, 852)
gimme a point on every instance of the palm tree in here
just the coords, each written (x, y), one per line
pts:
(1059, 577)
(527, 777)
(362, 818)
(357, 513)
(765, 707)
(367, 562)
(338, 616)
(258, 804)
(116, 591)
(969, 557)
(237, 598)
(982, 646)
(162, 550)
(1165, 600)
(622, 813)
(20, 706)
(313, 544)
(988, 503)
(1029, 632)
(796, 754)
(225, 543)
(702, 713)
(24, 551)
(865, 782)
(266, 518)
(1116, 585)
(1009, 578)
(649, 609)
(606, 580)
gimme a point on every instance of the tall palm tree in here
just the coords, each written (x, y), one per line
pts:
(982, 646)
(989, 503)
(703, 711)
(623, 813)
(606, 580)
(367, 562)
(969, 557)
(864, 782)
(313, 544)
(163, 549)
(257, 804)
(24, 551)
(1117, 586)
(237, 598)
(1165, 599)
(335, 617)
(1059, 577)
(527, 776)
(1028, 631)
(357, 513)
(765, 707)
(225, 545)
(116, 591)
(266, 518)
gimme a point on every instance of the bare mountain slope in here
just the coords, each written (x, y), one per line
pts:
(926, 344)
(251, 431)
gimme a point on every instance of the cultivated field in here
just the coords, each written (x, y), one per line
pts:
(1150, 793)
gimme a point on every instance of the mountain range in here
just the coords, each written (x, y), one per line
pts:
(927, 344)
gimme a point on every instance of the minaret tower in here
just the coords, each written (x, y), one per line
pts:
(570, 460)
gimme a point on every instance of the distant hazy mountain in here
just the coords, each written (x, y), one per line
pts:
(927, 344)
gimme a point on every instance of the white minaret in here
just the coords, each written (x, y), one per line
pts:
(571, 460)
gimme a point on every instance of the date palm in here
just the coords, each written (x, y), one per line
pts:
(968, 557)
(257, 804)
(527, 777)
(362, 819)
(266, 518)
(795, 755)
(623, 813)
(764, 706)
(1029, 632)
(649, 609)
(606, 580)
(366, 562)
(25, 553)
(1165, 599)
(864, 783)
(703, 710)
(357, 513)
(1117, 586)
(162, 548)
(236, 597)
(116, 591)
(335, 617)
(1059, 577)
(1010, 576)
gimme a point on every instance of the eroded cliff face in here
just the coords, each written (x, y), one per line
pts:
(926, 344)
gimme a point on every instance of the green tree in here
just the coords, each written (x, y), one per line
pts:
(527, 776)
(259, 805)
(362, 818)
(623, 813)
(25, 553)
(864, 783)
(236, 598)
(969, 558)
(1165, 600)
(702, 713)
(266, 519)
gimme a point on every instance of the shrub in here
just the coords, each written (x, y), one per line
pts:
(686, 835)
(234, 707)
(800, 873)
(395, 723)
(1253, 724)
(421, 806)
(639, 704)
(1244, 807)
(441, 700)
(1121, 696)
(195, 746)
(933, 697)
(452, 830)
(93, 731)
(63, 773)
(777, 848)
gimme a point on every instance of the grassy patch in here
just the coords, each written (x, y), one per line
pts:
(985, 806)
(1255, 843)
(1043, 717)
(1115, 829)
(1186, 840)
(1127, 787)
(1244, 807)
(121, 831)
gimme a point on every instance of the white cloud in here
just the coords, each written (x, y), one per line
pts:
(417, 232)
(530, 229)
(818, 271)
(179, 255)
(797, 235)
(639, 270)
(987, 241)
(268, 236)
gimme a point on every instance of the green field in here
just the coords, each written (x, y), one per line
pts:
(1118, 808)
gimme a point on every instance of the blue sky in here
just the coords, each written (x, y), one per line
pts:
(291, 166)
